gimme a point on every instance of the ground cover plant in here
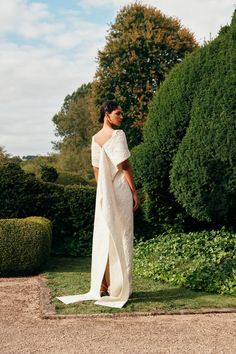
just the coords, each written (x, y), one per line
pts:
(203, 260)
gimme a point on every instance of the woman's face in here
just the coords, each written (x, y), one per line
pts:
(116, 117)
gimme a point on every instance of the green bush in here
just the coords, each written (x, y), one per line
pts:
(203, 175)
(25, 245)
(81, 203)
(166, 125)
(18, 192)
(70, 208)
(203, 260)
(190, 127)
(48, 173)
(68, 178)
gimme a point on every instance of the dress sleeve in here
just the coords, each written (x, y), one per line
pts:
(118, 150)
(95, 154)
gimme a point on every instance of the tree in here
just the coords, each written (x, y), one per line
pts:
(141, 47)
(73, 122)
(75, 127)
(4, 156)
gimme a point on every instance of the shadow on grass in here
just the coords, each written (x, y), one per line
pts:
(165, 295)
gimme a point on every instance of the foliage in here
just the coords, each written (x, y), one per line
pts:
(17, 192)
(66, 275)
(75, 127)
(33, 164)
(203, 175)
(49, 173)
(141, 47)
(190, 130)
(24, 245)
(70, 178)
(81, 203)
(70, 209)
(203, 260)
(4, 156)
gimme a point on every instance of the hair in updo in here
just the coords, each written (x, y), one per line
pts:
(107, 106)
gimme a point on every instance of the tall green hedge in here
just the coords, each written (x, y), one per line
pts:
(25, 245)
(191, 123)
(70, 208)
(203, 175)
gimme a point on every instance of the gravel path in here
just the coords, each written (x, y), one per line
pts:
(22, 330)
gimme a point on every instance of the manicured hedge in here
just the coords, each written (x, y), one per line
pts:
(81, 204)
(203, 260)
(190, 137)
(203, 174)
(69, 208)
(25, 245)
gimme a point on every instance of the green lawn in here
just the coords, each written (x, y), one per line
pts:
(70, 276)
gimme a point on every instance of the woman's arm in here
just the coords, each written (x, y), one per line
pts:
(128, 173)
(95, 171)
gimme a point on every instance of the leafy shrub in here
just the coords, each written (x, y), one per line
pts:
(18, 192)
(81, 202)
(68, 178)
(48, 173)
(190, 128)
(24, 245)
(203, 175)
(70, 208)
(203, 260)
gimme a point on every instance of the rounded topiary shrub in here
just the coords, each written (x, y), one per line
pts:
(49, 173)
(25, 245)
(186, 164)
(203, 175)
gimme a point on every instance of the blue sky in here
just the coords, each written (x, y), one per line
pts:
(48, 49)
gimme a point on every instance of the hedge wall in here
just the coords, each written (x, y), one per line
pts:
(70, 208)
(203, 175)
(25, 245)
(190, 133)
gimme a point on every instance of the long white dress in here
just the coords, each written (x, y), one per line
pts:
(113, 225)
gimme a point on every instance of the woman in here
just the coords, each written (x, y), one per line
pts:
(116, 199)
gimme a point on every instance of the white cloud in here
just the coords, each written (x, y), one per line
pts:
(203, 17)
(23, 18)
(37, 75)
(52, 55)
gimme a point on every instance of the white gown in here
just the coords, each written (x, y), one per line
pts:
(113, 225)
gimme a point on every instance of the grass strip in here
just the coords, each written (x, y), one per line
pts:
(70, 276)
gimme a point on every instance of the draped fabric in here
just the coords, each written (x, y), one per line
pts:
(113, 225)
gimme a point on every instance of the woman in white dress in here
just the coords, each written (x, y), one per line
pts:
(116, 199)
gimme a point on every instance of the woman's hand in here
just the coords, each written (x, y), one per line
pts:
(135, 200)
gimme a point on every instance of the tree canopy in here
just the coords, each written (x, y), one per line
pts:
(141, 47)
(74, 127)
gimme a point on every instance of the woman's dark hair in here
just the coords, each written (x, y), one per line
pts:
(107, 106)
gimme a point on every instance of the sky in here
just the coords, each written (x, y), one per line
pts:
(49, 48)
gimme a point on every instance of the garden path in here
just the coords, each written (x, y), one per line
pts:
(22, 329)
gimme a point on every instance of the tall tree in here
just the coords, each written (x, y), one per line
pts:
(73, 122)
(74, 127)
(141, 47)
